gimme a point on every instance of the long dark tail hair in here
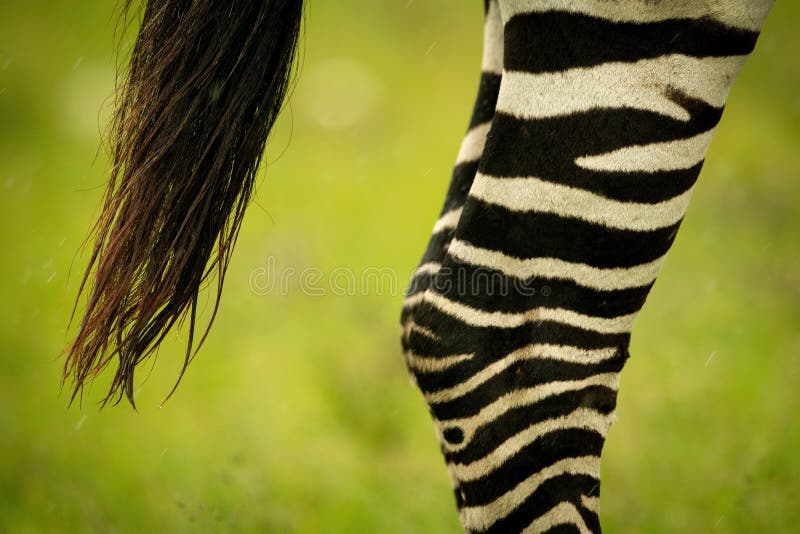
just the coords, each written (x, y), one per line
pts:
(205, 83)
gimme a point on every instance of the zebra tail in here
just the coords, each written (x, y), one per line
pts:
(205, 83)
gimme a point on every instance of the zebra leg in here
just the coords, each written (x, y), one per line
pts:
(604, 116)
(466, 162)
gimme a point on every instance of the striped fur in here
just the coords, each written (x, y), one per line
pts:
(591, 125)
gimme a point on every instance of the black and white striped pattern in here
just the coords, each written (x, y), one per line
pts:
(591, 125)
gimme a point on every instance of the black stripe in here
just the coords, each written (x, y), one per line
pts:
(437, 247)
(563, 488)
(431, 381)
(492, 290)
(461, 181)
(565, 529)
(486, 101)
(545, 235)
(435, 252)
(492, 343)
(486, 438)
(520, 375)
(548, 147)
(420, 282)
(555, 40)
(529, 460)
(637, 186)
(591, 518)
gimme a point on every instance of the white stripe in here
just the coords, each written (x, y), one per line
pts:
(561, 514)
(413, 300)
(483, 517)
(433, 364)
(582, 418)
(748, 14)
(552, 268)
(493, 40)
(591, 503)
(472, 145)
(666, 156)
(413, 327)
(534, 194)
(517, 399)
(447, 221)
(498, 319)
(432, 267)
(528, 352)
(641, 85)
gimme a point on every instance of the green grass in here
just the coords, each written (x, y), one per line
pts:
(298, 415)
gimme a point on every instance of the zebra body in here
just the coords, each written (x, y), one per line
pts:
(591, 124)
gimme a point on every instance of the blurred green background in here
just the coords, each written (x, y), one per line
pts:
(298, 415)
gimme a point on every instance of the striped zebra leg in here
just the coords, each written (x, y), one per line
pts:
(466, 162)
(605, 112)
